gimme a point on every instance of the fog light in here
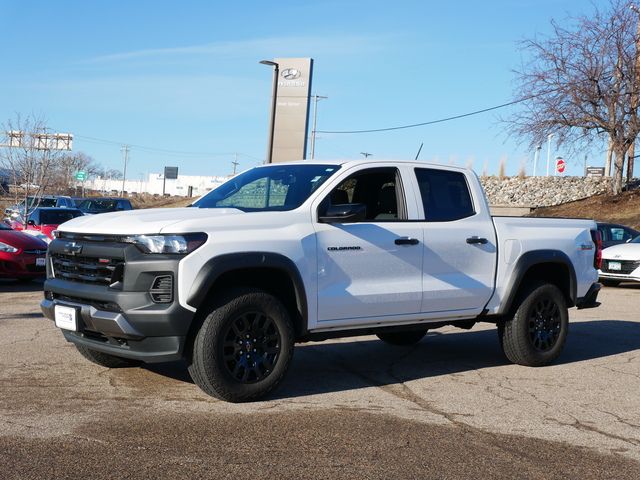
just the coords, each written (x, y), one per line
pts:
(162, 289)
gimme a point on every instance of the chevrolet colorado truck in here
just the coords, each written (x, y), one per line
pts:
(307, 251)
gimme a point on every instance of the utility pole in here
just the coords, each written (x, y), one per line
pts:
(366, 154)
(549, 137)
(315, 119)
(235, 163)
(536, 156)
(125, 152)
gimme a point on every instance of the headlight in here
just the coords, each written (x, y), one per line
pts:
(181, 244)
(5, 247)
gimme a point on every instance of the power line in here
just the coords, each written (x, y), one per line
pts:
(162, 150)
(431, 122)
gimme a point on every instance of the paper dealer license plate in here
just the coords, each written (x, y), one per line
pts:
(66, 317)
(615, 266)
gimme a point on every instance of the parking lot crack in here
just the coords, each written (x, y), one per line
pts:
(578, 425)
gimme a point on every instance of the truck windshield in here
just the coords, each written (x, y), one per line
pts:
(269, 188)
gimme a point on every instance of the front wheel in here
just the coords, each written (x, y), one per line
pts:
(243, 348)
(536, 334)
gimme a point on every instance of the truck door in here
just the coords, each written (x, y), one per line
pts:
(459, 258)
(371, 267)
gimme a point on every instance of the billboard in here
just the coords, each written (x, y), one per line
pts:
(292, 109)
(171, 173)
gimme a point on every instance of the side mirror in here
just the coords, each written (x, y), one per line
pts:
(345, 213)
(31, 222)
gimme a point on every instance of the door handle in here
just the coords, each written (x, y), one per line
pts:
(406, 241)
(475, 239)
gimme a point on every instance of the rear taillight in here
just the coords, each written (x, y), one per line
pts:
(597, 239)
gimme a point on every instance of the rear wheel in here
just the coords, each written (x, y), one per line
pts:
(244, 347)
(402, 338)
(106, 360)
(536, 334)
(610, 283)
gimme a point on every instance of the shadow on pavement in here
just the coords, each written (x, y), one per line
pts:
(334, 367)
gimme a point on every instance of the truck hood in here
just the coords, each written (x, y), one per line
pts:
(624, 251)
(152, 220)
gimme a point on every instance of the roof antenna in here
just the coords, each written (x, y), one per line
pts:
(419, 150)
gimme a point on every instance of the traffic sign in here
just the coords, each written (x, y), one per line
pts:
(81, 176)
(560, 165)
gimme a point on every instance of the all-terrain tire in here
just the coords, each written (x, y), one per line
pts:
(610, 283)
(241, 323)
(536, 334)
(410, 337)
(106, 360)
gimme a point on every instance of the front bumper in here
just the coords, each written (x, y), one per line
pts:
(122, 319)
(621, 277)
(20, 266)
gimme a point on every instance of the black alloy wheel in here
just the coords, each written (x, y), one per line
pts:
(544, 323)
(251, 347)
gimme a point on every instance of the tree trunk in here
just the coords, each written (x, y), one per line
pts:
(631, 153)
(618, 165)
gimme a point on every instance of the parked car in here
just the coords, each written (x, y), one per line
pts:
(21, 256)
(615, 234)
(621, 263)
(327, 249)
(59, 201)
(44, 221)
(92, 206)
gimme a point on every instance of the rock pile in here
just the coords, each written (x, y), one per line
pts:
(541, 191)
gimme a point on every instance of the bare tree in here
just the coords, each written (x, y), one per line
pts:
(582, 82)
(71, 163)
(28, 156)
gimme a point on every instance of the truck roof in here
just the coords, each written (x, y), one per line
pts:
(346, 162)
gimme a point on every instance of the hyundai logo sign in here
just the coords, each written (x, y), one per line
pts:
(290, 74)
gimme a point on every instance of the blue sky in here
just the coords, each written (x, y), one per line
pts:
(184, 76)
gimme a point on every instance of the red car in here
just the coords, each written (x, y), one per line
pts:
(21, 256)
(45, 220)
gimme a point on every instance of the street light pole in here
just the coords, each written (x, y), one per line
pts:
(125, 151)
(536, 156)
(315, 118)
(274, 96)
(549, 137)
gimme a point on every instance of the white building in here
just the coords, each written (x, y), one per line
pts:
(184, 185)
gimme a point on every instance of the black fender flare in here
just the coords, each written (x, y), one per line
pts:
(530, 259)
(221, 264)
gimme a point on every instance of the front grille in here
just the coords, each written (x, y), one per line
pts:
(99, 305)
(36, 252)
(96, 271)
(627, 266)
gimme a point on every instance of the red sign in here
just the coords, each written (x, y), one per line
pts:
(560, 165)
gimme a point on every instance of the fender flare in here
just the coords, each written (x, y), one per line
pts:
(531, 259)
(222, 264)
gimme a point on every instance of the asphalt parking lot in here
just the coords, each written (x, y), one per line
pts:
(450, 407)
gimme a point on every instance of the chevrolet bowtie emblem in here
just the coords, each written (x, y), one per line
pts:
(72, 248)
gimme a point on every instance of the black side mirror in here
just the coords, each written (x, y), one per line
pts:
(31, 222)
(345, 213)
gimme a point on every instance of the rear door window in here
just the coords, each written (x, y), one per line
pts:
(445, 195)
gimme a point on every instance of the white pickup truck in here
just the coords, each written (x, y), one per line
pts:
(306, 251)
